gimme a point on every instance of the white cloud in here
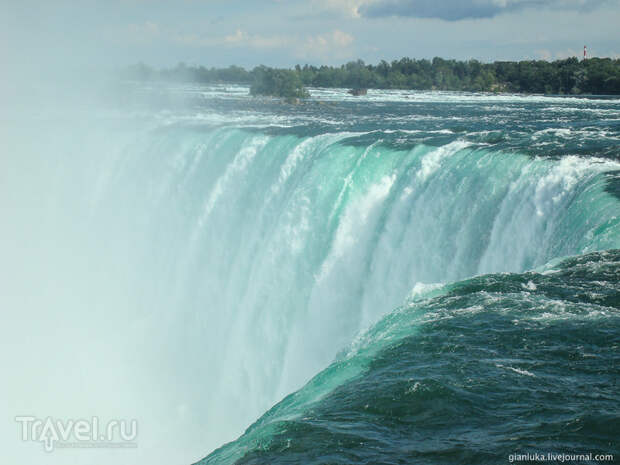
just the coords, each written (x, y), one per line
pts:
(238, 38)
(334, 44)
(347, 8)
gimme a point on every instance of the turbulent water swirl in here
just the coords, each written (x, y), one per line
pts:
(477, 374)
(224, 263)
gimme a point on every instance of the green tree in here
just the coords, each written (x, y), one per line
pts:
(277, 83)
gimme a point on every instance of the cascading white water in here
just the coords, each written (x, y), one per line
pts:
(203, 273)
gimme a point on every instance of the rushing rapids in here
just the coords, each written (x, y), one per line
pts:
(475, 374)
(237, 252)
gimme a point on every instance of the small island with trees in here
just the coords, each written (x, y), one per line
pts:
(283, 83)
(594, 76)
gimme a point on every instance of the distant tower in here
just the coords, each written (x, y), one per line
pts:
(585, 52)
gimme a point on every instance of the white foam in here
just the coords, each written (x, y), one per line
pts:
(431, 162)
(516, 370)
(420, 290)
(353, 220)
(239, 164)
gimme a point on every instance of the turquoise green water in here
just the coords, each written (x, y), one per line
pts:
(352, 280)
(348, 224)
(494, 366)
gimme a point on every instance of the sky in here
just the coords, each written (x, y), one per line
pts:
(35, 33)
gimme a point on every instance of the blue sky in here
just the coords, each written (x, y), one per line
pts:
(286, 32)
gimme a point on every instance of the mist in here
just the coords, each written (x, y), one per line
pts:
(83, 334)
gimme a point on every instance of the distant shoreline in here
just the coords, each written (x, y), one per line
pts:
(594, 76)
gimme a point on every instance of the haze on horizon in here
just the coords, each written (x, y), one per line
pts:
(36, 35)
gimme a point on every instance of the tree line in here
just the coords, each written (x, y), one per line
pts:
(599, 76)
